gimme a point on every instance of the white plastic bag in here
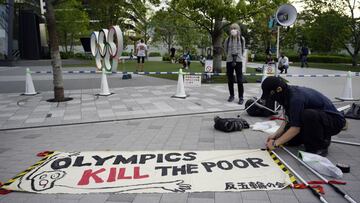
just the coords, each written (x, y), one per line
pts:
(269, 127)
(321, 164)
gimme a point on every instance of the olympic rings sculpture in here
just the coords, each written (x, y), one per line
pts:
(106, 46)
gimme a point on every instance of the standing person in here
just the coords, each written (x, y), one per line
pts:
(172, 54)
(234, 47)
(311, 118)
(283, 63)
(186, 60)
(304, 52)
(269, 59)
(131, 54)
(141, 49)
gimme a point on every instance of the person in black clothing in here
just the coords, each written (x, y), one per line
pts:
(311, 118)
(269, 59)
(234, 47)
(304, 52)
(172, 54)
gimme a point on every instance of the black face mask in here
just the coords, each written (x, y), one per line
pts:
(280, 97)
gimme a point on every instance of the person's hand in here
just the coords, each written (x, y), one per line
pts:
(271, 137)
(233, 64)
(270, 144)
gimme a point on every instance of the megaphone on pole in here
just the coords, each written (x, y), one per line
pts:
(286, 15)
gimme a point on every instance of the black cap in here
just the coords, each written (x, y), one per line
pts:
(271, 83)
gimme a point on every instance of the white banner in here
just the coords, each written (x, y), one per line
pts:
(151, 172)
(192, 80)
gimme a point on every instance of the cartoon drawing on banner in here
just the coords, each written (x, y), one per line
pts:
(45, 180)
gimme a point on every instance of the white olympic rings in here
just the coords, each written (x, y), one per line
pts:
(106, 46)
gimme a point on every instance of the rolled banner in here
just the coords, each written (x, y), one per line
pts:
(102, 41)
(94, 43)
(115, 40)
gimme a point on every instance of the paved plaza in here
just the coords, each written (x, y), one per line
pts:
(142, 116)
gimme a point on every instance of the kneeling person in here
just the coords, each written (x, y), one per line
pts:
(311, 118)
(283, 63)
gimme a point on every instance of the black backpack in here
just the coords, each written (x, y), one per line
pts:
(258, 111)
(353, 112)
(230, 124)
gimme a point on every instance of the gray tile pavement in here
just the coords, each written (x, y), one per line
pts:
(146, 118)
(20, 111)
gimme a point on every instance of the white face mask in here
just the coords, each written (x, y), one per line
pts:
(233, 32)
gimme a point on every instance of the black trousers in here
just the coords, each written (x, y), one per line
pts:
(230, 75)
(317, 129)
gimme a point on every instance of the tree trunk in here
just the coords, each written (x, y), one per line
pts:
(71, 42)
(169, 44)
(354, 59)
(54, 52)
(217, 37)
(65, 42)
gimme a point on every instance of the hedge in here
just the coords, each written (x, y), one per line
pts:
(66, 55)
(124, 53)
(154, 54)
(312, 58)
(166, 57)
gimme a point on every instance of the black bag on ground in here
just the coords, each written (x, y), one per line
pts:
(258, 111)
(230, 124)
(353, 112)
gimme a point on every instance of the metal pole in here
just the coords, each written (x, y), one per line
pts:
(317, 194)
(278, 43)
(337, 189)
(262, 106)
(345, 142)
(250, 105)
(10, 30)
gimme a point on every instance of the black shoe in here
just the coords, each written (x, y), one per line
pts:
(231, 98)
(327, 142)
(241, 101)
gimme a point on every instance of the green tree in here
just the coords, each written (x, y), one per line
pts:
(72, 22)
(345, 16)
(139, 12)
(261, 37)
(188, 35)
(164, 31)
(213, 16)
(106, 13)
(129, 15)
(325, 38)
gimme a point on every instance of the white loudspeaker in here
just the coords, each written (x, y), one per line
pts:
(286, 15)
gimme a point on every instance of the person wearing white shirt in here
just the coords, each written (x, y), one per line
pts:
(283, 63)
(141, 49)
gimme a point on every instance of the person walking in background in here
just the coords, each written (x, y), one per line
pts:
(283, 63)
(186, 60)
(269, 59)
(141, 49)
(234, 47)
(304, 52)
(131, 54)
(172, 54)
